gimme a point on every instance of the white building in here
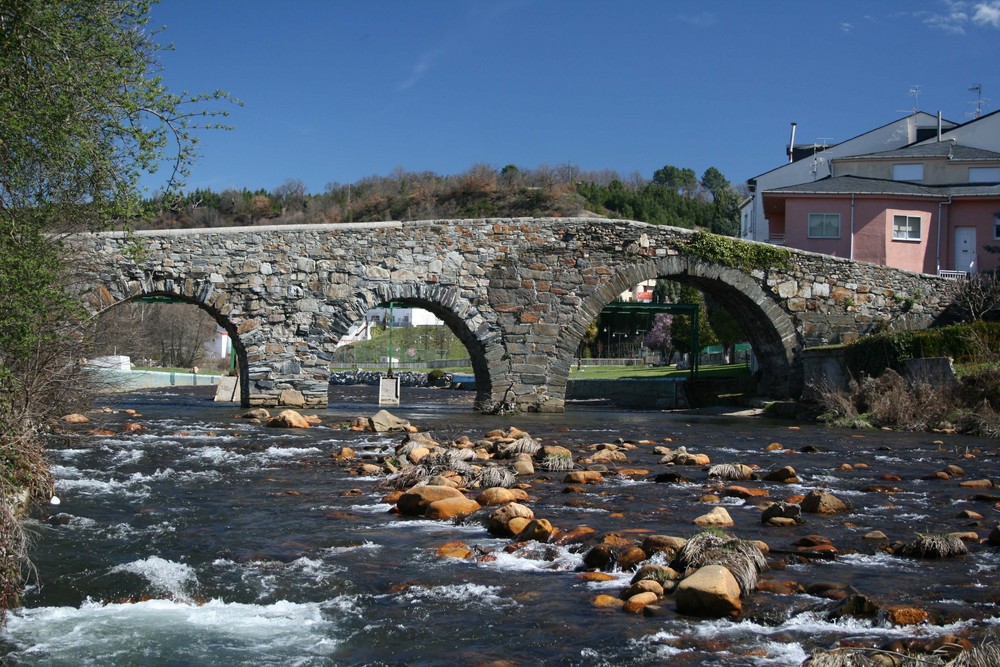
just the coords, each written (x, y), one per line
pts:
(219, 347)
(401, 317)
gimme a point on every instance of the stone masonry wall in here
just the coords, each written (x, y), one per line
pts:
(519, 293)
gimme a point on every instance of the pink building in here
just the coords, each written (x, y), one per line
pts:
(929, 206)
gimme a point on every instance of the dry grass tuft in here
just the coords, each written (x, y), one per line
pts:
(730, 472)
(741, 557)
(934, 546)
(557, 463)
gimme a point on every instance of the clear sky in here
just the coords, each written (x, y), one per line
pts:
(336, 90)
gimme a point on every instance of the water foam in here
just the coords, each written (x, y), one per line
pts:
(170, 632)
(165, 576)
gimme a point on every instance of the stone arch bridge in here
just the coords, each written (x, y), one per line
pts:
(518, 292)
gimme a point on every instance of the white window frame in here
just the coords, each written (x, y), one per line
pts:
(823, 219)
(908, 171)
(896, 236)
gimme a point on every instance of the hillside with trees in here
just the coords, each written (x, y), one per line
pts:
(673, 196)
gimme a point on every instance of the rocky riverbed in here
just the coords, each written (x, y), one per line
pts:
(590, 538)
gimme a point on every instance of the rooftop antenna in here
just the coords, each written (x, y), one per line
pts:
(979, 101)
(915, 91)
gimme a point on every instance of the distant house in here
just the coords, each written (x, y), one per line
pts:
(811, 162)
(928, 206)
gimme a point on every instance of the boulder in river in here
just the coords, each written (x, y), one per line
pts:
(451, 508)
(385, 422)
(288, 419)
(717, 517)
(498, 521)
(822, 502)
(782, 514)
(711, 591)
(416, 500)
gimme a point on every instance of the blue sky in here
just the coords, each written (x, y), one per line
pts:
(337, 90)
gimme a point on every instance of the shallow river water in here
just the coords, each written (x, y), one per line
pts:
(208, 540)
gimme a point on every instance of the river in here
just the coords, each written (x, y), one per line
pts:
(207, 540)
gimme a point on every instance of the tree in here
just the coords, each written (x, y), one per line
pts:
(291, 195)
(681, 181)
(83, 115)
(713, 181)
(660, 337)
(978, 295)
(727, 330)
(681, 325)
(725, 203)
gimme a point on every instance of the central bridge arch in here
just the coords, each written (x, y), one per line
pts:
(474, 331)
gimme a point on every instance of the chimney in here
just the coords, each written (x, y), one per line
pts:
(791, 145)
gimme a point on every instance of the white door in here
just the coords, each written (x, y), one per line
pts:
(965, 249)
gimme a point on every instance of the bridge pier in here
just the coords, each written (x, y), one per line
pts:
(283, 370)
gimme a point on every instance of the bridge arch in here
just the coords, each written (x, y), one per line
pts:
(770, 330)
(454, 308)
(102, 301)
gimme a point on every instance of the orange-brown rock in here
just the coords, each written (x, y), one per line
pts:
(711, 591)
(495, 496)
(498, 520)
(604, 600)
(737, 491)
(288, 419)
(583, 477)
(821, 502)
(75, 418)
(416, 500)
(451, 508)
(635, 603)
(539, 530)
(717, 517)
(905, 615)
(784, 475)
(629, 557)
(454, 549)
(780, 586)
(575, 535)
(642, 586)
(668, 545)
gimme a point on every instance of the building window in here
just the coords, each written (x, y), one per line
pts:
(906, 227)
(824, 225)
(996, 226)
(908, 172)
(984, 174)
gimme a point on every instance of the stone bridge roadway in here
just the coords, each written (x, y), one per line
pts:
(519, 293)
